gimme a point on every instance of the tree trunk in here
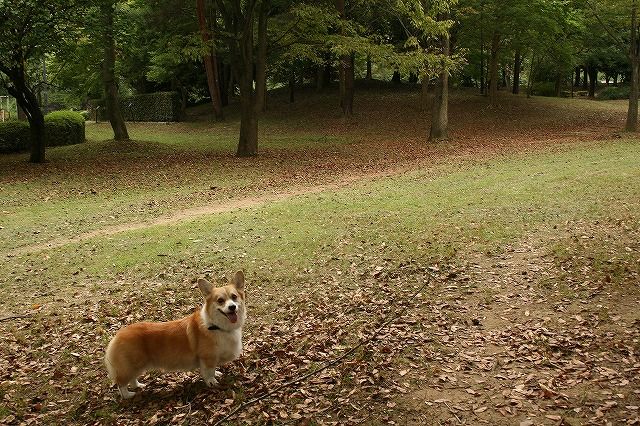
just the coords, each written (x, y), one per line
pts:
(493, 68)
(210, 62)
(224, 81)
(396, 78)
(109, 76)
(261, 60)
(634, 55)
(346, 71)
(349, 82)
(576, 81)
(440, 112)
(292, 85)
(517, 63)
(593, 80)
(248, 141)
(585, 79)
(558, 85)
(369, 73)
(424, 95)
(27, 101)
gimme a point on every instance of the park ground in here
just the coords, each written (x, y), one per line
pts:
(508, 261)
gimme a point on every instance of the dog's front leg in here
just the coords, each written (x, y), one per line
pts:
(208, 372)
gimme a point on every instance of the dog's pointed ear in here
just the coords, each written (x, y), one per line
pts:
(205, 287)
(238, 280)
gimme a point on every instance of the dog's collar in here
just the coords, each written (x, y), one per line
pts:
(214, 327)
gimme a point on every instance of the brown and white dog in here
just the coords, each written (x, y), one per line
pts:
(210, 337)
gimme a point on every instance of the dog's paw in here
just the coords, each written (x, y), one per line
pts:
(211, 381)
(217, 374)
(126, 393)
(135, 384)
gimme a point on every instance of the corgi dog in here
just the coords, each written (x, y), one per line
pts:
(209, 337)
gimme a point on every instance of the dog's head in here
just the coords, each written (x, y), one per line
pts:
(224, 306)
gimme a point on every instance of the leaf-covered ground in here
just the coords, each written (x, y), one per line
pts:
(508, 263)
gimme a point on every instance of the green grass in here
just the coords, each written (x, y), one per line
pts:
(416, 216)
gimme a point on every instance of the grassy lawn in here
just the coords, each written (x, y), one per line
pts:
(324, 269)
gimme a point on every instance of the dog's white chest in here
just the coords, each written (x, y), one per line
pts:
(230, 346)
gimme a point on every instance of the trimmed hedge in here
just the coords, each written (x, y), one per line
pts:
(64, 128)
(15, 136)
(61, 128)
(614, 93)
(159, 106)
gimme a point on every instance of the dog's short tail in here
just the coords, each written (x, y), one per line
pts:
(108, 356)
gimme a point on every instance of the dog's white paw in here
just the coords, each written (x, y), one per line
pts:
(217, 374)
(135, 384)
(211, 381)
(125, 393)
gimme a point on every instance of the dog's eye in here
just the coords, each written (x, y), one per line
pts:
(234, 296)
(220, 300)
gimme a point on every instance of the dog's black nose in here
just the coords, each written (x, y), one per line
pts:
(232, 308)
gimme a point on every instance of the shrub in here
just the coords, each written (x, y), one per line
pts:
(613, 93)
(64, 128)
(159, 106)
(15, 136)
(543, 88)
(61, 128)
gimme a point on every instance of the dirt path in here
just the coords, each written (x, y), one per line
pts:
(196, 212)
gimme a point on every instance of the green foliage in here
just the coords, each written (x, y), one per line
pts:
(15, 136)
(159, 106)
(64, 128)
(61, 128)
(543, 88)
(613, 93)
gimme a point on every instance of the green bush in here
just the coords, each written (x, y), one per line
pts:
(613, 93)
(64, 128)
(61, 128)
(159, 106)
(15, 136)
(543, 88)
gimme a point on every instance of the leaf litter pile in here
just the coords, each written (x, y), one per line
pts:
(488, 340)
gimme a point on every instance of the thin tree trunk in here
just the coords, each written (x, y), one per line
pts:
(493, 68)
(593, 80)
(576, 82)
(585, 79)
(248, 142)
(292, 85)
(558, 85)
(261, 60)
(530, 79)
(424, 95)
(210, 62)
(482, 79)
(346, 71)
(369, 73)
(108, 75)
(517, 63)
(440, 113)
(634, 55)
(349, 84)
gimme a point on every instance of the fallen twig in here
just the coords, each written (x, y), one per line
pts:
(328, 364)
(10, 317)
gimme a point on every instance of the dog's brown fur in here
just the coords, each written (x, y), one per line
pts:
(184, 344)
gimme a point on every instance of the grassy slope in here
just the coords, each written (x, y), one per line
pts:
(415, 216)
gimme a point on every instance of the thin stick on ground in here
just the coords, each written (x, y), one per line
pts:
(11, 317)
(328, 364)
